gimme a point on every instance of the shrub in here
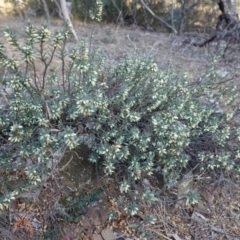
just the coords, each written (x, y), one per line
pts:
(131, 114)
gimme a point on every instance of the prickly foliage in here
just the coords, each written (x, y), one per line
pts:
(131, 114)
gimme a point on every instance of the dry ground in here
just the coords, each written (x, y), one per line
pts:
(215, 217)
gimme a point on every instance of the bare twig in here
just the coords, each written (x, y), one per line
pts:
(134, 45)
(62, 168)
(59, 9)
(159, 234)
(120, 15)
(184, 11)
(45, 7)
(161, 20)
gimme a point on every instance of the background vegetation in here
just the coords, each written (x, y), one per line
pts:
(201, 16)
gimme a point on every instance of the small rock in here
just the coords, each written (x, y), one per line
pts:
(222, 73)
(185, 185)
(106, 233)
(36, 224)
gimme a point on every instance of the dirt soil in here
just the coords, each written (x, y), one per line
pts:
(215, 217)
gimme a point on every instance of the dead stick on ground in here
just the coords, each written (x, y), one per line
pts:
(159, 234)
(62, 168)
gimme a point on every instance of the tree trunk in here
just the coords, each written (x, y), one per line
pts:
(66, 17)
(230, 7)
(227, 27)
(45, 7)
(229, 17)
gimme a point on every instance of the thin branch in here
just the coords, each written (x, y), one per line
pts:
(159, 18)
(159, 234)
(46, 68)
(184, 11)
(66, 16)
(120, 15)
(45, 7)
(59, 9)
(63, 64)
(62, 168)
